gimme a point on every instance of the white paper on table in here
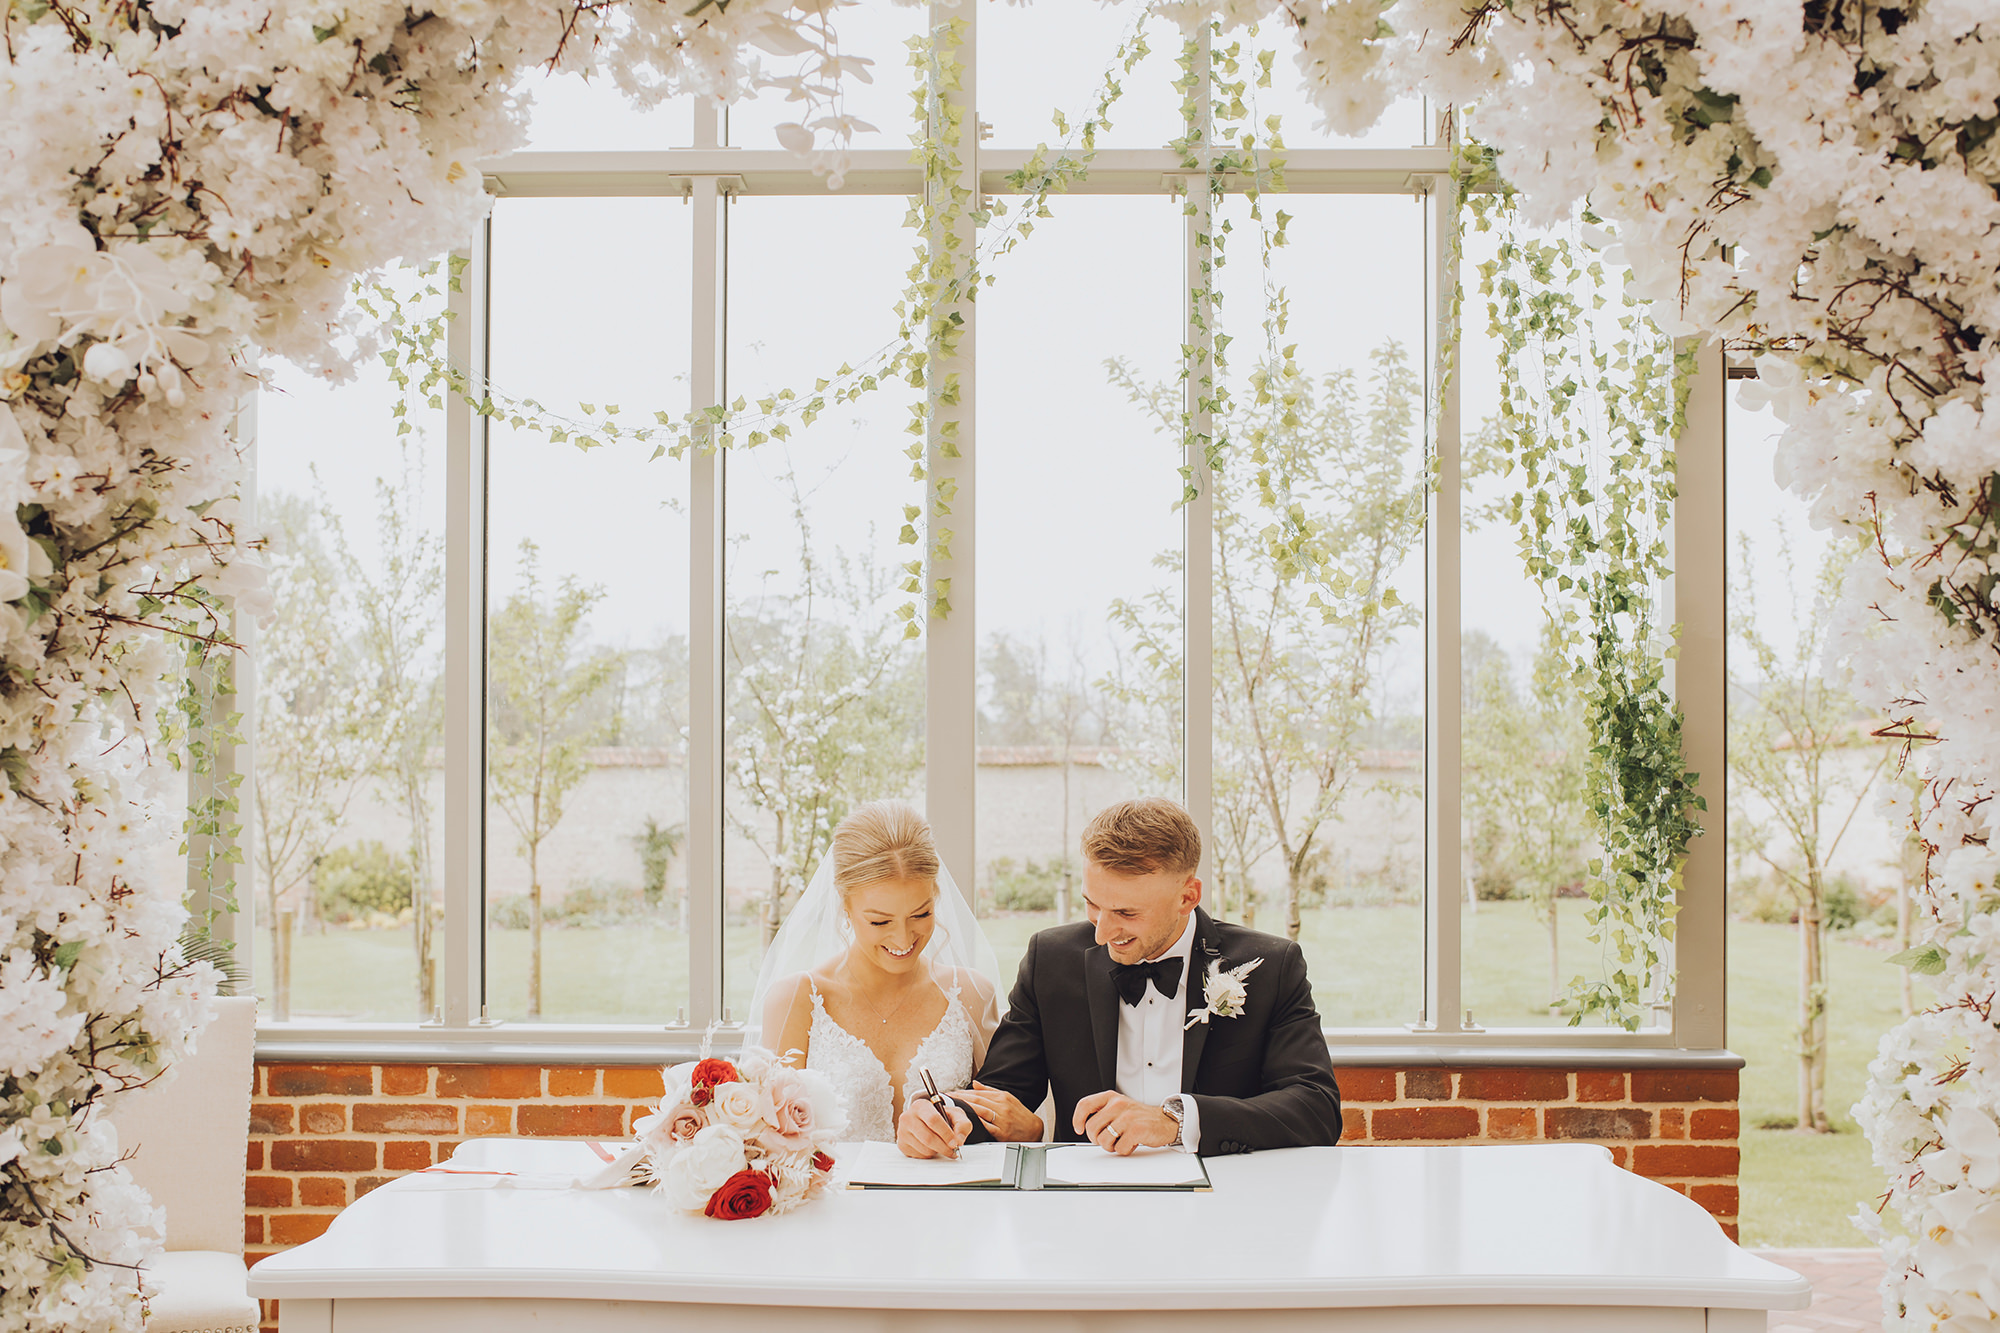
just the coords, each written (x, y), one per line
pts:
(884, 1164)
(526, 1164)
(1088, 1164)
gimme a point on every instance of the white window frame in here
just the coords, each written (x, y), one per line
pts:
(706, 176)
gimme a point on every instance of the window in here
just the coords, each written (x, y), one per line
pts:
(632, 694)
(341, 863)
(586, 620)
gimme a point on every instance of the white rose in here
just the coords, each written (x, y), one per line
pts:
(754, 1064)
(698, 1170)
(740, 1105)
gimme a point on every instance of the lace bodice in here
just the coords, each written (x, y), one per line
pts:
(864, 1081)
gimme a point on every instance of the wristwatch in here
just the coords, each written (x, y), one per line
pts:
(1174, 1107)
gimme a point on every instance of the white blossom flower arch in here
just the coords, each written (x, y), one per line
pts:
(184, 181)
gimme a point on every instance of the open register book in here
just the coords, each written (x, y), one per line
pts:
(1022, 1166)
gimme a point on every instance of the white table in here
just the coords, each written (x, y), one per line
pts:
(1409, 1240)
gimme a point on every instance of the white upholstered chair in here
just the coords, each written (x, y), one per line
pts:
(188, 1141)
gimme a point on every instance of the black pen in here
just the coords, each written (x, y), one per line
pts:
(934, 1097)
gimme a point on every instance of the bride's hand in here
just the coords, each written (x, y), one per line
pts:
(1003, 1114)
(922, 1132)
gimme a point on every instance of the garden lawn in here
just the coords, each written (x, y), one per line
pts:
(1798, 1190)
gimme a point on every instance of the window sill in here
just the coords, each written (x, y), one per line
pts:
(560, 1044)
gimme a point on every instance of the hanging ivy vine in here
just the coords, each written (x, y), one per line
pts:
(945, 274)
(1592, 399)
(1225, 149)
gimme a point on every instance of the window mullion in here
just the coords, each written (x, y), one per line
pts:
(1443, 702)
(951, 650)
(464, 859)
(229, 682)
(1697, 602)
(1198, 514)
(706, 592)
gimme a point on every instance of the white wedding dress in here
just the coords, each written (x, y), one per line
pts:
(862, 1080)
(816, 933)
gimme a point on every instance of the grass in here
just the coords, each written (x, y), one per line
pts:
(1798, 1190)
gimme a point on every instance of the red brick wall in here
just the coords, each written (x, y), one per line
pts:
(1677, 1126)
(323, 1135)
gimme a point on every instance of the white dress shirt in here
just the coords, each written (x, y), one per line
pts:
(1149, 1043)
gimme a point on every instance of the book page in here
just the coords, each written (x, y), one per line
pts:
(1088, 1164)
(884, 1164)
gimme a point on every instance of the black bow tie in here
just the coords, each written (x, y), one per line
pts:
(1165, 974)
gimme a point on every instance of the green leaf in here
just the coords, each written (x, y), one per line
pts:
(1925, 960)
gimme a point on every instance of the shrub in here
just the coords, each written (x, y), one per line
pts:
(1028, 886)
(599, 904)
(1844, 905)
(509, 913)
(656, 847)
(356, 881)
(1494, 878)
(1762, 898)
(591, 903)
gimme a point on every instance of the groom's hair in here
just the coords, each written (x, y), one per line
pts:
(1143, 837)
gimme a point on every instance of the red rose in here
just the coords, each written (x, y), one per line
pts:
(821, 1162)
(708, 1073)
(745, 1194)
(701, 1096)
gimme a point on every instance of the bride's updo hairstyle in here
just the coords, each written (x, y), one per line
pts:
(882, 840)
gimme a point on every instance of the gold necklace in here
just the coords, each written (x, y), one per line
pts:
(908, 991)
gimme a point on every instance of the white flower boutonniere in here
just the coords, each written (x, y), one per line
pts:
(1224, 993)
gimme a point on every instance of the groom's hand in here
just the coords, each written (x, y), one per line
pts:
(1116, 1123)
(1003, 1114)
(923, 1132)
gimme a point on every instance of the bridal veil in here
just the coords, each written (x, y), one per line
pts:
(957, 955)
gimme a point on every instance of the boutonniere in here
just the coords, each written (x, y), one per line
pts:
(1224, 993)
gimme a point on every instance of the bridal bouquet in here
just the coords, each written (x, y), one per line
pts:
(733, 1140)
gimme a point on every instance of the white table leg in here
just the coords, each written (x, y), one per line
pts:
(295, 1316)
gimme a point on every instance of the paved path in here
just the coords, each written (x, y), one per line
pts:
(1845, 1297)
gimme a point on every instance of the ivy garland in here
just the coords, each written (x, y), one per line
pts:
(944, 275)
(1220, 143)
(1590, 406)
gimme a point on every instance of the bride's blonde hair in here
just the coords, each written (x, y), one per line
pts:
(882, 840)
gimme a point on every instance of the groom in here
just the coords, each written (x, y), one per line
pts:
(1100, 1018)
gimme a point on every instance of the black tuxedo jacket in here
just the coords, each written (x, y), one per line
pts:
(1260, 1080)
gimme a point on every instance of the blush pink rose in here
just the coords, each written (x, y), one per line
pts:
(683, 1122)
(671, 1128)
(797, 1117)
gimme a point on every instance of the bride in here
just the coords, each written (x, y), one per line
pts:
(879, 971)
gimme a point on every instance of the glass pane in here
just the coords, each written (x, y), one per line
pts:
(575, 114)
(587, 618)
(1032, 64)
(1319, 599)
(1079, 548)
(879, 95)
(1529, 835)
(825, 696)
(347, 821)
